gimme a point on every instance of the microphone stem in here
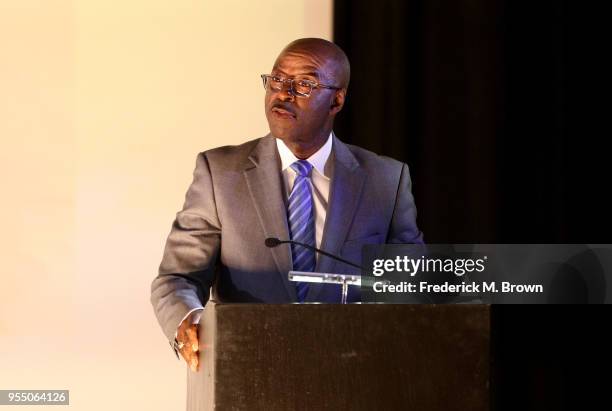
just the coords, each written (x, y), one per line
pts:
(324, 253)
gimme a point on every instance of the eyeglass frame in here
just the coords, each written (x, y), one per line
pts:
(313, 85)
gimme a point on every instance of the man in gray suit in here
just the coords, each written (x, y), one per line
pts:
(299, 182)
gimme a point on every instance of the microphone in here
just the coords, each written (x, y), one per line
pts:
(272, 242)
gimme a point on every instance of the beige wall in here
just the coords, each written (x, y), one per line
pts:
(103, 107)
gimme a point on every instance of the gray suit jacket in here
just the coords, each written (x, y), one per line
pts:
(236, 201)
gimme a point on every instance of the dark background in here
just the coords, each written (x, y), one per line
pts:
(482, 99)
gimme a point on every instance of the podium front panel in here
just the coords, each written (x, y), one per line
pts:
(343, 357)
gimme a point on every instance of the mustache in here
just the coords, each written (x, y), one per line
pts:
(283, 106)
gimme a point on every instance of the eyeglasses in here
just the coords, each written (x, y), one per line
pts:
(297, 87)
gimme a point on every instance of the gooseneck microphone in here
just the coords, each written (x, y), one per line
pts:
(272, 242)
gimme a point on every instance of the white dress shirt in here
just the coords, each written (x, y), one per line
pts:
(322, 171)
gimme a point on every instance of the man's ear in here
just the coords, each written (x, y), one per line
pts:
(338, 101)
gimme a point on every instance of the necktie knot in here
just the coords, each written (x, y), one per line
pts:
(302, 168)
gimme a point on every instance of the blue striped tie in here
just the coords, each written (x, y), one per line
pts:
(301, 223)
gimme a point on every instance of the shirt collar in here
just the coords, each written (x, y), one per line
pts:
(318, 159)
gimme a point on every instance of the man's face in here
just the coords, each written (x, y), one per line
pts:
(300, 120)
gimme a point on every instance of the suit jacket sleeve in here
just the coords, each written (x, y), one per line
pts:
(403, 228)
(186, 272)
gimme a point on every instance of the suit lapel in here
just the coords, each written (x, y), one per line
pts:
(263, 178)
(345, 191)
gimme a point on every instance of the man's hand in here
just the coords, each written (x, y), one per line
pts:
(187, 337)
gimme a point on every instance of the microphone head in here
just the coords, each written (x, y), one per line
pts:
(272, 242)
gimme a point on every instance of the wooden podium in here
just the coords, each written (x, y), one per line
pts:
(342, 357)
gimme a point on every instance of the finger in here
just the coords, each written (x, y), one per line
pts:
(187, 354)
(192, 333)
(181, 332)
(191, 358)
(181, 337)
(194, 363)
